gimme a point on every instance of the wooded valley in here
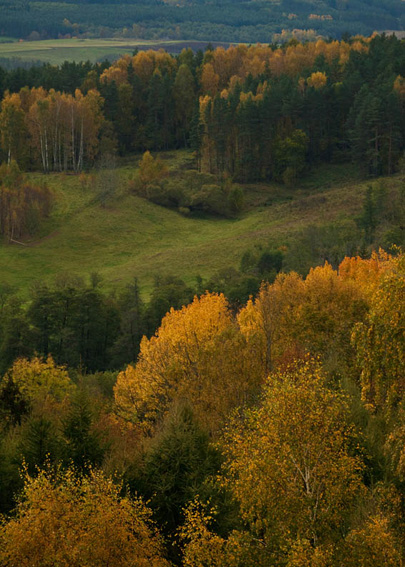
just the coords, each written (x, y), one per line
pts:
(202, 299)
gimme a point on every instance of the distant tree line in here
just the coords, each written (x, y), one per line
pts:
(249, 112)
(246, 21)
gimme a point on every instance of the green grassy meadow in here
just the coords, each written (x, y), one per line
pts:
(56, 51)
(132, 237)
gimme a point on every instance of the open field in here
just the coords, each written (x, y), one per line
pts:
(56, 51)
(132, 237)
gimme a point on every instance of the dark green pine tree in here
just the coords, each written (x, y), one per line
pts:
(131, 306)
(368, 219)
(393, 132)
(168, 115)
(196, 135)
(39, 443)
(13, 406)
(125, 119)
(248, 121)
(109, 92)
(168, 292)
(43, 313)
(176, 467)
(15, 333)
(220, 131)
(155, 113)
(375, 128)
(83, 445)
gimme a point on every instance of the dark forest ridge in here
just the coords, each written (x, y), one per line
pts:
(221, 20)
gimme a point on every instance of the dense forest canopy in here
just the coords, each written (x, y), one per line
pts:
(249, 112)
(273, 432)
(246, 21)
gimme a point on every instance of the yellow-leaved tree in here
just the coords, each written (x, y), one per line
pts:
(293, 316)
(288, 462)
(39, 379)
(67, 520)
(380, 340)
(151, 172)
(365, 273)
(23, 204)
(289, 466)
(198, 356)
(268, 320)
(317, 80)
(371, 544)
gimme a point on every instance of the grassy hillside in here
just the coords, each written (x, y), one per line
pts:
(133, 237)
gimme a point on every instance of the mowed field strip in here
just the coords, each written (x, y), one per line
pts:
(56, 51)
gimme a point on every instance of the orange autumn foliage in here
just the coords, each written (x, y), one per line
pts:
(63, 519)
(197, 355)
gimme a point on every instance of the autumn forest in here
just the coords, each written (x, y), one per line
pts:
(252, 416)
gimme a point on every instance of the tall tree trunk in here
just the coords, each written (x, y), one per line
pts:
(390, 152)
(46, 151)
(80, 162)
(73, 144)
(41, 142)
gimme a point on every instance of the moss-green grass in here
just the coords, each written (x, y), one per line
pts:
(56, 51)
(132, 237)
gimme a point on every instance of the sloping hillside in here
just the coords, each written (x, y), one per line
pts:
(131, 236)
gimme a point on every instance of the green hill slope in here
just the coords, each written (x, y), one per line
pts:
(132, 237)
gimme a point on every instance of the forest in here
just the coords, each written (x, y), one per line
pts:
(279, 109)
(257, 415)
(247, 21)
(273, 432)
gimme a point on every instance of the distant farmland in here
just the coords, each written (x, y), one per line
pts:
(56, 51)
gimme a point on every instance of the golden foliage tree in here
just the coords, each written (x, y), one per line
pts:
(221, 65)
(209, 80)
(317, 80)
(151, 171)
(289, 467)
(372, 544)
(365, 273)
(39, 379)
(295, 315)
(22, 204)
(198, 355)
(380, 340)
(288, 462)
(330, 308)
(72, 521)
(267, 321)
(64, 128)
(204, 548)
(117, 72)
(13, 131)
